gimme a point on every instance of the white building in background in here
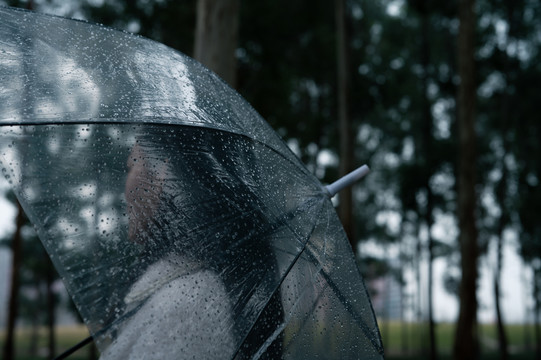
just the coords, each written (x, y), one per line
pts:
(386, 297)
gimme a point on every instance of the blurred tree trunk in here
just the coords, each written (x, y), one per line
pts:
(513, 20)
(50, 275)
(345, 207)
(526, 330)
(403, 322)
(403, 265)
(92, 351)
(500, 195)
(16, 249)
(34, 337)
(420, 330)
(418, 260)
(502, 337)
(466, 339)
(216, 37)
(537, 310)
(428, 151)
(17, 254)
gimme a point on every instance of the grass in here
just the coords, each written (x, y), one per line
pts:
(415, 344)
(397, 346)
(66, 337)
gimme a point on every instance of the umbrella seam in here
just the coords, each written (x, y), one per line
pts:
(282, 279)
(377, 346)
(344, 302)
(356, 316)
(150, 121)
(313, 306)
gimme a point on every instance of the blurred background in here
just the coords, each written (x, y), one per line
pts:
(438, 98)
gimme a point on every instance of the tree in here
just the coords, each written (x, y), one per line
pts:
(216, 36)
(466, 343)
(427, 151)
(16, 248)
(506, 114)
(528, 201)
(344, 118)
(37, 299)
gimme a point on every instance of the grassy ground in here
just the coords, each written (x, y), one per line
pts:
(397, 346)
(415, 343)
(66, 337)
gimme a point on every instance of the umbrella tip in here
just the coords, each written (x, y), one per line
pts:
(347, 180)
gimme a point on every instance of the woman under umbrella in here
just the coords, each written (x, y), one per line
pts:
(206, 290)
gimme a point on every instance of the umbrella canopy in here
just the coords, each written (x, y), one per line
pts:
(178, 220)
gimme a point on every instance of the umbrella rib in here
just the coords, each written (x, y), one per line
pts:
(306, 317)
(97, 334)
(364, 328)
(377, 344)
(118, 121)
(330, 283)
(74, 348)
(282, 279)
(355, 315)
(344, 302)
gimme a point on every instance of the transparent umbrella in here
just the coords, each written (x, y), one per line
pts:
(180, 223)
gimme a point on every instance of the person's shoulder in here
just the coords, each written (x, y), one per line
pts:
(160, 275)
(197, 284)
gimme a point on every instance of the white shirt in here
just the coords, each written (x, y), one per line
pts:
(188, 317)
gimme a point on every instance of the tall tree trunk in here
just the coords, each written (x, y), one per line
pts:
(345, 207)
(526, 284)
(427, 150)
(431, 322)
(466, 340)
(216, 37)
(92, 351)
(500, 195)
(50, 308)
(416, 341)
(420, 328)
(501, 192)
(403, 321)
(16, 248)
(418, 260)
(34, 337)
(502, 337)
(17, 252)
(537, 310)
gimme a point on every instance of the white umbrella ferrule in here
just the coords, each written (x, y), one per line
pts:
(347, 180)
